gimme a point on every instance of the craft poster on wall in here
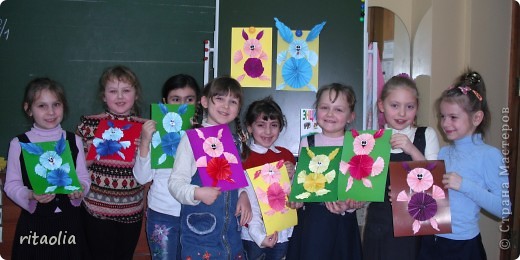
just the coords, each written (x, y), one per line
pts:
(217, 157)
(364, 165)
(308, 122)
(115, 140)
(420, 206)
(297, 58)
(272, 187)
(316, 175)
(172, 121)
(251, 56)
(50, 167)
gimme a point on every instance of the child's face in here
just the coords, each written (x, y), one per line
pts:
(119, 97)
(265, 132)
(221, 109)
(455, 122)
(333, 117)
(185, 95)
(399, 107)
(46, 110)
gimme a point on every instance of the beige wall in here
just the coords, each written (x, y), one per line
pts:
(447, 37)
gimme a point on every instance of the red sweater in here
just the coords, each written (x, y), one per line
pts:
(255, 159)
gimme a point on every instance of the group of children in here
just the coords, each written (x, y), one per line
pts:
(185, 220)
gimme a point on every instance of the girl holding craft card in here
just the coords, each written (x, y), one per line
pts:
(399, 103)
(113, 210)
(46, 215)
(474, 176)
(163, 213)
(264, 120)
(210, 222)
(328, 230)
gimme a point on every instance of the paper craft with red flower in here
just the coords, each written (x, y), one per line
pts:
(316, 174)
(420, 206)
(272, 188)
(115, 140)
(217, 157)
(364, 165)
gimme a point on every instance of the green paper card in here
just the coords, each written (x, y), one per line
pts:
(316, 177)
(50, 167)
(364, 165)
(172, 121)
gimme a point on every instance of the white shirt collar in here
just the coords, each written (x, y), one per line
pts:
(407, 130)
(260, 149)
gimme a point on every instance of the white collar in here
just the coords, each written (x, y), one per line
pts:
(260, 149)
(405, 130)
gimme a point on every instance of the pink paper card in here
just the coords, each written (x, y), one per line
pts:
(420, 206)
(217, 157)
(115, 140)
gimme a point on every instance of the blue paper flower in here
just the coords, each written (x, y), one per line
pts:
(172, 122)
(169, 143)
(113, 134)
(108, 147)
(59, 177)
(297, 73)
(50, 160)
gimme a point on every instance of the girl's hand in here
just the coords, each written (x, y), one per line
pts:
(452, 180)
(294, 205)
(336, 207)
(44, 198)
(401, 141)
(77, 194)
(207, 195)
(244, 209)
(290, 169)
(147, 132)
(270, 241)
(353, 204)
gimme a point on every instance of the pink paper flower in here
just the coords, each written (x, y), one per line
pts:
(360, 166)
(364, 144)
(213, 147)
(252, 48)
(419, 179)
(276, 197)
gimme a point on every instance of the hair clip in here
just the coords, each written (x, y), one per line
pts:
(465, 89)
(404, 75)
(472, 78)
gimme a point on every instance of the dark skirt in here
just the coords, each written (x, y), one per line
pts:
(434, 247)
(54, 236)
(321, 234)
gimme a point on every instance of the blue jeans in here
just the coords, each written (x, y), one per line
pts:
(254, 252)
(162, 231)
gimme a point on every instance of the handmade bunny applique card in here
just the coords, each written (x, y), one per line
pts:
(50, 167)
(172, 121)
(364, 165)
(420, 206)
(217, 157)
(272, 187)
(115, 140)
(316, 176)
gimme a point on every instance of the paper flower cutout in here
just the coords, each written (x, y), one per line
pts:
(109, 144)
(422, 206)
(219, 170)
(51, 165)
(275, 197)
(298, 60)
(172, 123)
(315, 181)
(362, 166)
(253, 66)
(270, 173)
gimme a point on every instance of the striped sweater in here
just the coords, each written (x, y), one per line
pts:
(114, 192)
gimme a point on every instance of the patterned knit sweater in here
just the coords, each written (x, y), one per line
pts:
(114, 193)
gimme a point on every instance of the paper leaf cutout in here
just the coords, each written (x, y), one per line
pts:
(32, 148)
(215, 146)
(60, 145)
(363, 164)
(162, 159)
